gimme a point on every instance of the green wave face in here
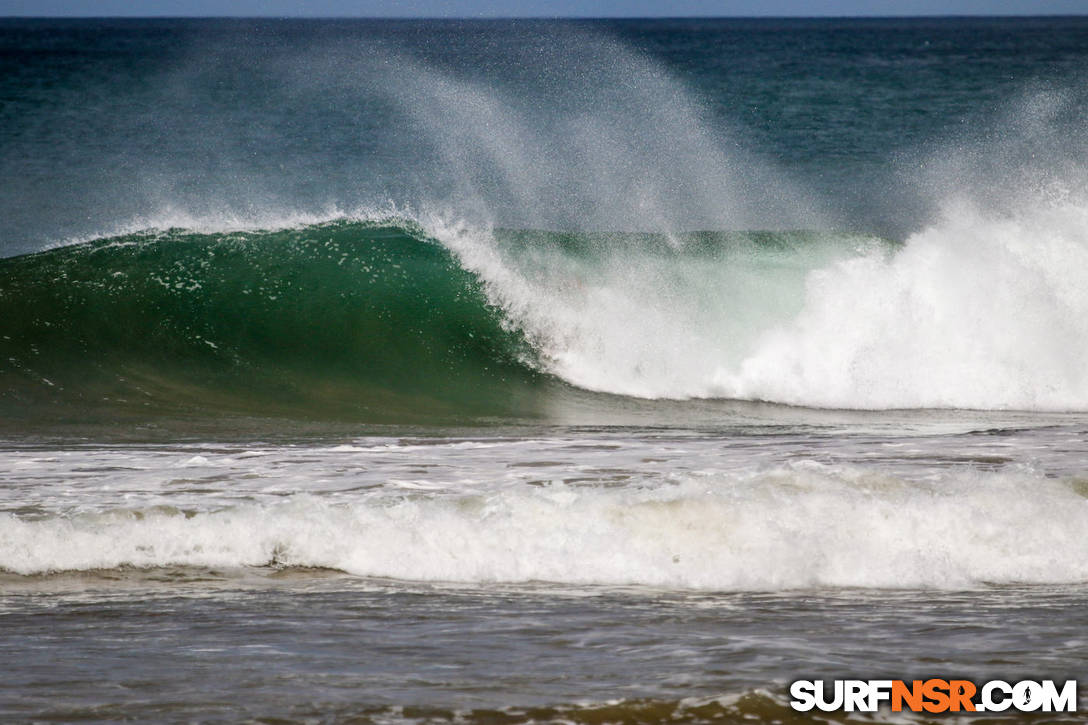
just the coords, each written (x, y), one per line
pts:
(345, 319)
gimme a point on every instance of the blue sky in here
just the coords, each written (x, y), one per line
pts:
(536, 8)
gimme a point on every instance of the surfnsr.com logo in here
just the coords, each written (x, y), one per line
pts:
(933, 695)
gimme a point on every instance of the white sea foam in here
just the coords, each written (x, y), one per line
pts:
(984, 306)
(978, 311)
(801, 526)
(981, 310)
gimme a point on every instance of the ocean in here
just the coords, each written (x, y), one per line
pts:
(553, 371)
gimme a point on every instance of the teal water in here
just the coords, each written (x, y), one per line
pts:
(508, 371)
(372, 322)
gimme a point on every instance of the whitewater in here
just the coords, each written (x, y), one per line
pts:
(498, 510)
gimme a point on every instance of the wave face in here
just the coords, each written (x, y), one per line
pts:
(343, 318)
(396, 320)
(804, 525)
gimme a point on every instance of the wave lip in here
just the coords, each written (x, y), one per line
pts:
(797, 527)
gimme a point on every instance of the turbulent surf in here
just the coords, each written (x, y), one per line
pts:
(389, 320)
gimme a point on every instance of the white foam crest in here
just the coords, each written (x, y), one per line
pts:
(982, 310)
(985, 308)
(979, 311)
(797, 527)
(635, 322)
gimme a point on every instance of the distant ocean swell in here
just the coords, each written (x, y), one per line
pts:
(390, 319)
(805, 525)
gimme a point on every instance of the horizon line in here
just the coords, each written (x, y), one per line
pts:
(546, 17)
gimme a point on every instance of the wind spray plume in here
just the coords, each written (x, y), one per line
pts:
(577, 132)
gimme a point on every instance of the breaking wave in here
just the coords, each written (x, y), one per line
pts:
(392, 319)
